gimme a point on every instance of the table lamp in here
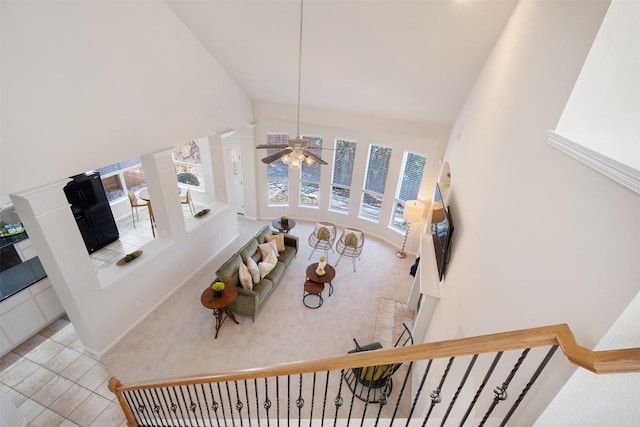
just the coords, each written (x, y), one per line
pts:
(413, 210)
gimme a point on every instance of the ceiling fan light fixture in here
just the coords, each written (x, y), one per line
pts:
(295, 163)
(309, 161)
(286, 159)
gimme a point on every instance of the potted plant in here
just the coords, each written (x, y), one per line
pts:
(218, 289)
(284, 220)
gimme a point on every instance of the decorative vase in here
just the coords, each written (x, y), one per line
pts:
(284, 221)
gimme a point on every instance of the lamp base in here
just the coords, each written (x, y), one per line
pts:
(401, 254)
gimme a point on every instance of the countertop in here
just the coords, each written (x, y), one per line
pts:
(20, 277)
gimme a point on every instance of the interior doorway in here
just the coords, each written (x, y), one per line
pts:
(234, 177)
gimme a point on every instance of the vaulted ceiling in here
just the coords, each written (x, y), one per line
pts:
(404, 59)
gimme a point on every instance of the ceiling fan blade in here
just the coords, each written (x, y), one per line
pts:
(280, 146)
(314, 157)
(272, 158)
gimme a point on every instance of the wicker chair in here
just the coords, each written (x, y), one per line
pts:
(350, 245)
(323, 238)
(373, 384)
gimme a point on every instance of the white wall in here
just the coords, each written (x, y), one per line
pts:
(603, 112)
(426, 139)
(540, 238)
(86, 84)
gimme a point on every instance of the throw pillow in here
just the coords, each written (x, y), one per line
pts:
(351, 238)
(245, 277)
(279, 238)
(323, 232)
(266, 248)
(268, 264)
(254, 270)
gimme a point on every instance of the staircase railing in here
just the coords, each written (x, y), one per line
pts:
(457, 373)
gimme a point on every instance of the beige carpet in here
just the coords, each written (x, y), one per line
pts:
(178, 338)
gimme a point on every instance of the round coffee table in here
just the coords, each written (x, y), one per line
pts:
(220, 305)
(327, 277)
(281, 227)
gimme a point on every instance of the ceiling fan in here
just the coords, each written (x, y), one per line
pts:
(298, 148)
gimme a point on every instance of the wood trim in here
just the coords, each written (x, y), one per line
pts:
(600, 362)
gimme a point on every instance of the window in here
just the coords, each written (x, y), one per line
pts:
(375, 180)
(119, 178)
(412, 170)
(277, 173)
(310, 174)
(186, 159)
(343, 162)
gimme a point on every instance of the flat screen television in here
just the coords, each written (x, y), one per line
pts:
(441, 231)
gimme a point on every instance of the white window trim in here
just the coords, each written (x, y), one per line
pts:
(619, 172)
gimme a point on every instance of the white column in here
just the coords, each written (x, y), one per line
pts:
(54, 233)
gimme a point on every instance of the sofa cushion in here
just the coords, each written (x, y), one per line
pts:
(228, 273)
(263, 289)
(276, 274)
(250, 250)
(288, 255)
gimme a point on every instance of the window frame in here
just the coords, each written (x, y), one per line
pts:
(334, 185)
(317, 150)
(371, 193)
(278, 136)
(398, 202)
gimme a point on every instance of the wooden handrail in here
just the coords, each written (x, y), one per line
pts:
(600, 362)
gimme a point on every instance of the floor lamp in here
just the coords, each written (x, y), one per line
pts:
(413, 210)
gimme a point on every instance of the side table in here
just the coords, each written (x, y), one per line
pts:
(220, 305)
(283, 228)
(327, 277)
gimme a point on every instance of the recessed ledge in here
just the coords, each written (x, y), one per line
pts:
(619, 172)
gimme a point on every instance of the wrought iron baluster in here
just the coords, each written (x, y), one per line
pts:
(278, 401)
(485, 380)
(300, 401)
(153, 408)
(199, 403)
(222, 405)
(533, 379)
(239, 405)
(214, 404)
(436, 395)
(419, 392)
(459, 389)
(267, 401)
(158, 393)
(171, 415)
(313, 396)
(255, 389)
(192, 406)
(288, 399)
(501, 391)
(141, 409)
(186, 405)
(338, 400)
(324, 400)
(230, 402)
(405, 381)
(206, 403)
(128, 397)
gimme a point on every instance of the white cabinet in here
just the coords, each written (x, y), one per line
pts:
(25, 313)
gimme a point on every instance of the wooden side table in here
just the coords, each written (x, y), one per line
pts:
(313, 289)
(220, 305)
(283, 228)
(329, 275)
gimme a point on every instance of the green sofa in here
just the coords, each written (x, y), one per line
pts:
(249, 302)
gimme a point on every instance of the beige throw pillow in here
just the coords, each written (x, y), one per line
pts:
(279, 238)
(266, 248)
(245, 277)
(254, 270)
(268, 264)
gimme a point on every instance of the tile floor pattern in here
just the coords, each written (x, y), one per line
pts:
(54, 383)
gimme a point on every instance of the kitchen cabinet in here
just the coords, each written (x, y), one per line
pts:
(25, 313)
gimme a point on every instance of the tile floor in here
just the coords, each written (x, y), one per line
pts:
(54, 383)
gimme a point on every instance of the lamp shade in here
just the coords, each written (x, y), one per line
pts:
(413, 210)
(438, 214)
